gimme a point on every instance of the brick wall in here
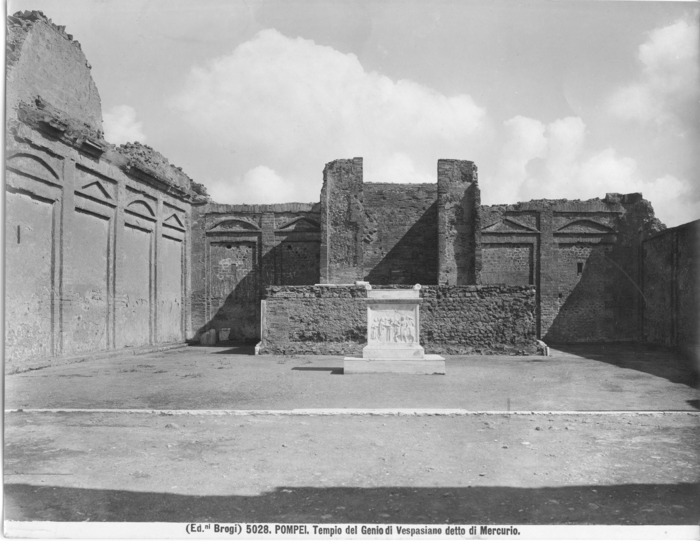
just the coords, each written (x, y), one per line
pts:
(454, 319)
(238, 250)
(400, 239)
(507, 263)
(583, 257)
(671, 267)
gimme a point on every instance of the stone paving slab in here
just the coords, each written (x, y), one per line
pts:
(500, 469)
(586, 378)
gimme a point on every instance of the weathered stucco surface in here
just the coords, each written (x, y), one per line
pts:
(97, 236)
(44, 61)
(671, 263)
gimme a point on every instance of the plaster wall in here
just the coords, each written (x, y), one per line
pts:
(671, 270)
(97, 236)
(43, 60)
(29, 287)
(134, 313)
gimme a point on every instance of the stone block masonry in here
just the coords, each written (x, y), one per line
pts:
(454, 320)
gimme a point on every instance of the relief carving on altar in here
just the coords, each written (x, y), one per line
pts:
(392, 328)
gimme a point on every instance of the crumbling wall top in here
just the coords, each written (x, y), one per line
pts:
(44, 62)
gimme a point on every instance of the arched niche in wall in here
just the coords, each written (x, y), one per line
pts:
(299, 224)
(584, 226)
(237, 225)
(32, 166)
(141, 208)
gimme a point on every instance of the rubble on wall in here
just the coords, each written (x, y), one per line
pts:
(130, 157)
(50, 89)
(153, 162)
(43, 116)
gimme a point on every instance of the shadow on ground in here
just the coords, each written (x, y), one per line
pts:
(333, 370)
(234, 348)
(237, 350)
(654, 360)
(617, 504)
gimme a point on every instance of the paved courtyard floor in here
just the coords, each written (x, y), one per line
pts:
(580, 378)
(595, 435)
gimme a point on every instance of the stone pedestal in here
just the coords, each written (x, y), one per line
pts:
(393, 336)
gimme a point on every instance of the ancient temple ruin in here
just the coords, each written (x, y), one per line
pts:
(111, 247)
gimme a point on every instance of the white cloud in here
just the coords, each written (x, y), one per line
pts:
(551, 161)
(282, 107)
(289, 106)
(260, 184)
(673, 200)
(668, 86)
(121, 126)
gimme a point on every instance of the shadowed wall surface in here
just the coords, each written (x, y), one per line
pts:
(671, 272)
(400, 240)
(240, 249)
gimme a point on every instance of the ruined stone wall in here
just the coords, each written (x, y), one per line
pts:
(401, 239)
(238, 250)
(97, 236)
(481, 319)
(459, 223)
(583, 257)
(454, 319)
(43, 60)
(342, 222)
(314, 320)
(671, 269)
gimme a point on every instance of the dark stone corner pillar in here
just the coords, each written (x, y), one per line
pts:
(342, 222)
(459, 223)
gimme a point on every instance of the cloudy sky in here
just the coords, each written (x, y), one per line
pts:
(550, 99)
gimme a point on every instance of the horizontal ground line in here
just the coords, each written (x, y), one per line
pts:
(352, 411)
